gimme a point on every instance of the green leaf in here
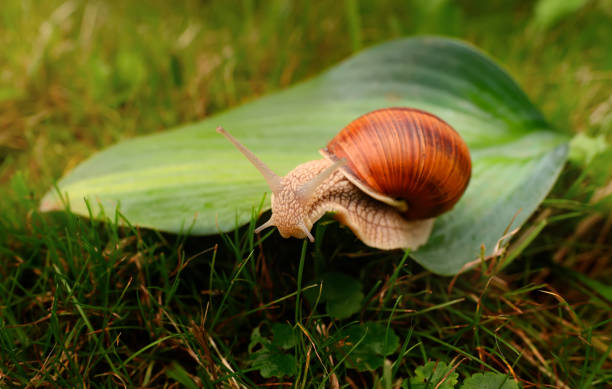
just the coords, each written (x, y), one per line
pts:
(257, 339)
(433, 373)
(489, 381)
(283, 336)
(341, 294)
(269, 359)
(366, 345)
(274, 364)
(192, 179)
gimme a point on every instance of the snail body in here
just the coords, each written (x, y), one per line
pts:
(386, 176)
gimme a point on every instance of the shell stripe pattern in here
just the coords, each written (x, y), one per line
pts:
(408, 154)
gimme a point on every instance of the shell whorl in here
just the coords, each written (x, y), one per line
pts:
(408, 156)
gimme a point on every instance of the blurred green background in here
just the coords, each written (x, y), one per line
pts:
(76, 76)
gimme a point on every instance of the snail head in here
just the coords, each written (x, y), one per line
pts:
(290, 194)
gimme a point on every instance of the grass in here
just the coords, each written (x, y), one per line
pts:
(85, 303)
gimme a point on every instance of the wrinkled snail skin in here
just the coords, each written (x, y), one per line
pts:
(386, 176)
(375, 223)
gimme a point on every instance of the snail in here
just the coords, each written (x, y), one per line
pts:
(386, 175)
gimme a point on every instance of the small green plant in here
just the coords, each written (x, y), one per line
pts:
(489, 381)
(434, 375)
(364, 346)
(270, 357)
(439, 375)
(340, 293)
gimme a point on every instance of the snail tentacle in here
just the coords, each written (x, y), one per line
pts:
(307, 189)
(269, 223)
(306, 231)
(273, 180)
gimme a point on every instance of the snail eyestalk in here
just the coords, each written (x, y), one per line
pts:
(304, 229)
(274, 181)
(267, 224)
(306, 190)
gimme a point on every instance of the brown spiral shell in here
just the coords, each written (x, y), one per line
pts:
(405, 154)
